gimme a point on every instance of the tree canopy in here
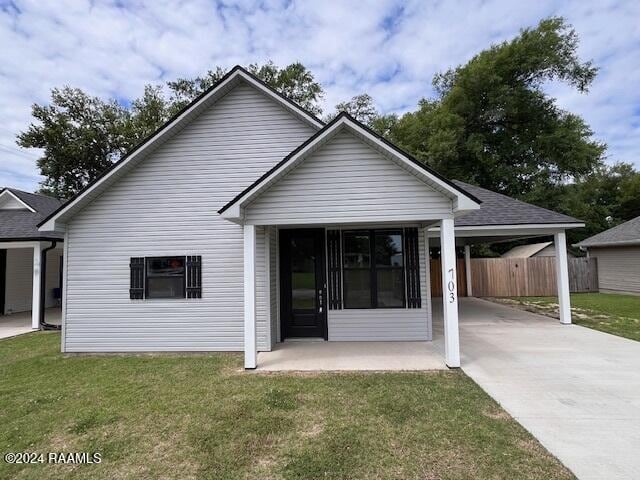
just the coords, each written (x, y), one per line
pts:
(493, 124)
(82, 135)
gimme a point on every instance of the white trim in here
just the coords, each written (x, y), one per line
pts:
(267, 284)
(449, 294)
(621, 243)
(14, 196)
(36, 292)
(250, 352)
(170, 127)
(63, 320)
(26, 244)
(461, 201)
(562, 277)
(524, 226)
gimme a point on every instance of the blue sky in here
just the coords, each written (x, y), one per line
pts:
(388, 49)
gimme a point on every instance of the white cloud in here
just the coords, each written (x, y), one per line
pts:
(388, 48)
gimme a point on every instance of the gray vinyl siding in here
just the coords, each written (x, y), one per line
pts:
(274, 278)
(347, 181)
(263, 330)
(399, 324)
(618, 268)
(19, 290)
(168, 205)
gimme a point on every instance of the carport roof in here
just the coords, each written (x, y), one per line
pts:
(22, 224)
(501, 210)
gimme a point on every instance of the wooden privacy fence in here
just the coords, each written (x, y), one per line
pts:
(518, 277)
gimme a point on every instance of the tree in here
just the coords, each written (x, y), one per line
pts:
(360, 107)
(492, 123)
(83, 135)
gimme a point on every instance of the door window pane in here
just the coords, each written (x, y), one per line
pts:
(390, 287)
(388, 249)
(357, 288)
(356, 249)
(303, 274)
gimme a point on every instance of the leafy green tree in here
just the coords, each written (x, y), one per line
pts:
(492, 123)
(81, 135)
(361, 107)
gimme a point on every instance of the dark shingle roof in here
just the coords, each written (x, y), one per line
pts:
(627, 233)
(497, 209)
(22, 224)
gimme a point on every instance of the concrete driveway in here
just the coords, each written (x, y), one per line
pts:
(575, 389)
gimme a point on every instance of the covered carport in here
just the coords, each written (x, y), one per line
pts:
(30, 264)
(502, 219)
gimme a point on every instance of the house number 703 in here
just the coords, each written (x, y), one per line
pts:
(451, 286)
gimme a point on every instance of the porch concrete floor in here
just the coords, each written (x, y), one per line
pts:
(335, 356)
(19, 323)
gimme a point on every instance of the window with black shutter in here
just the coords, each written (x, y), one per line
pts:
(166, 277)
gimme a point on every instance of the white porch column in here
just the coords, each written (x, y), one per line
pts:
(35, 297)
(449, 293)
(562, 277)
(467, 269)
(250, 353)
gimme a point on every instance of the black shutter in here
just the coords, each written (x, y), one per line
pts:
(412, 267)
(335, 270)
(194, 276)
(136, 287)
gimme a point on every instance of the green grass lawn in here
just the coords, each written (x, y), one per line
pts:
(201, 416)
(607, 312)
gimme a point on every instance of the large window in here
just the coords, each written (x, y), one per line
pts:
(373, 269)
(165, 277)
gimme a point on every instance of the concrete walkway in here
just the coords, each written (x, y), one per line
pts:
(575, 389)
(333, 356)
(19, 323)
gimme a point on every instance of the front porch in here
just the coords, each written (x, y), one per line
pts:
(351, 356)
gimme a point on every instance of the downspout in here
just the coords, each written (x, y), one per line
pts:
(43, 282)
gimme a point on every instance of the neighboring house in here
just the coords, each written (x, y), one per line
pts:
(542, 249)
(245, 221)
(618, 254)
(22, 250)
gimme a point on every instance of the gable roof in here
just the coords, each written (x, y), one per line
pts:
(627, 233)
(498, 209)
(463, 199)
(22, 224)
(526, 251)
(236, 75)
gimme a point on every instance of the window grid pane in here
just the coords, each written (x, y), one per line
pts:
(378, 283)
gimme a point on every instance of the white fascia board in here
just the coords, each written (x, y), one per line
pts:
(507, 230)
(9, 193)
(622, 243)
(51, 224)
(461, 201)
(25, 244)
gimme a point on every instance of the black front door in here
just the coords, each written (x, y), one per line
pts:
(302, 283)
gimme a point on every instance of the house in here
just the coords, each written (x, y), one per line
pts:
(618, 254)
(541, 249)
(245, 221)
(30, 260)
